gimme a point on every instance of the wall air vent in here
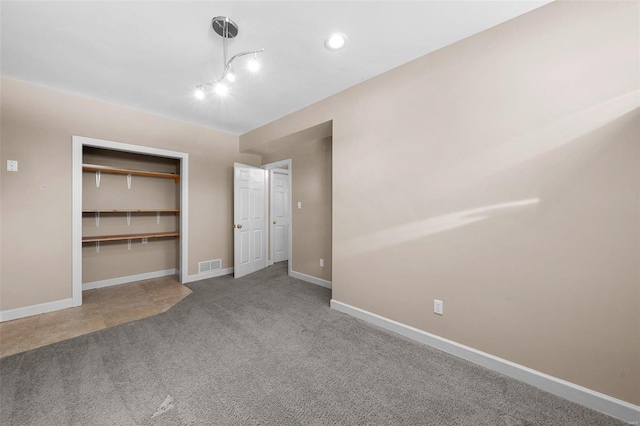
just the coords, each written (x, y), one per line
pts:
(209, 265)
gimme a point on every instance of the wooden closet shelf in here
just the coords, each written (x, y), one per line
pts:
(176, 212)
(107, 169)
(130, 236)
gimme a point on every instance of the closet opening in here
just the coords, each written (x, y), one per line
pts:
(130, 213)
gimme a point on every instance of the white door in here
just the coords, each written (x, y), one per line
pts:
(280, 221)
(249, 213)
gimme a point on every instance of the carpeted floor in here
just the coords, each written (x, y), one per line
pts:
(263, 350)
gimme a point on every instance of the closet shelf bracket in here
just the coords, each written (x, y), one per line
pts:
(97, 246)
(129, 244)
(158, 218)
(129, 181)
(97, 178)
(97, 219)
(128, 218)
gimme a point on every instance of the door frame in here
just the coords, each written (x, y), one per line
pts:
(78, 142)
(277, 165)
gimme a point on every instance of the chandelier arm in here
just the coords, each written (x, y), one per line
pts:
(234, 57)
(226, 68)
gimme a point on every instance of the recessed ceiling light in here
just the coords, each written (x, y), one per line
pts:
(335, 41)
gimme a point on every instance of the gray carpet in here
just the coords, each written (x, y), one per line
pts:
(263, 350)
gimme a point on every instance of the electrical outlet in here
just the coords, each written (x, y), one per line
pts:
(299, 204)
(12, 166)
(322, 263)
(438, 307)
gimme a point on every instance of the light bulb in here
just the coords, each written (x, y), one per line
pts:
(253, 65)
(199, 93)
(221, 89)
(231, 77)
(336, 41)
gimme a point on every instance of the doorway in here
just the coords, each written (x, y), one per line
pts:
(280, 230)
(262, 212)
(279, 216)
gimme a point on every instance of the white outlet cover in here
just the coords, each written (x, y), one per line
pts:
(299, 204)
(12, 166)
(438, 307)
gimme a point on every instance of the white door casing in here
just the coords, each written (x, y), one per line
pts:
(249, 212)
(280, 220)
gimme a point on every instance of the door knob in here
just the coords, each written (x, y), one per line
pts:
(239, 226)
(274, 222)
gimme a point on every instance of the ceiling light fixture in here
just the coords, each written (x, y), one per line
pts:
(335, 41)
(221, 89)
(253, 65)
(227, 29)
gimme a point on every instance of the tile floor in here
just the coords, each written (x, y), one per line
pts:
(101, 308)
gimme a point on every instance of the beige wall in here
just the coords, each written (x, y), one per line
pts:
(311, 185)
(500, 175)
(37, 126)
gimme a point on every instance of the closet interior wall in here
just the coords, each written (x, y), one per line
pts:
(115, 259)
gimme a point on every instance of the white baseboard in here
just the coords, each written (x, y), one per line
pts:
(567, 390)
(210, 274)
(128, 279)
(310, 279)
(27, 311)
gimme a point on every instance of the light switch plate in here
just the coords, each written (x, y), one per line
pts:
(438, 307)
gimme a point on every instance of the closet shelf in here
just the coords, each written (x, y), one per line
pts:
(115, 170)
(130, 236)
(176, 212)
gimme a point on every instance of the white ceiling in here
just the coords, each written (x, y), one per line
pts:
(149, 55)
